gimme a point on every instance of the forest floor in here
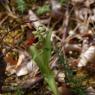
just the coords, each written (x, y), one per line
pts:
(47, 47)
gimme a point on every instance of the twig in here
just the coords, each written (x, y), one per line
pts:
(3, 20)
(65, 26)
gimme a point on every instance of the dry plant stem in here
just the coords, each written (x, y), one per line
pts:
(65, 31)
(69, 38)
(58, 38)
(72, 47)
(65, 26)
(3, 20)
(9, 12)
(13, 16)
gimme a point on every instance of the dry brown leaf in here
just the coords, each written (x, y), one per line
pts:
(90, 91)
(87, 57)
(26, 68)
(9, 59)
(64, 90)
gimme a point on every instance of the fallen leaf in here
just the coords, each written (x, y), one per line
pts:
(87, 57)
(26, 68)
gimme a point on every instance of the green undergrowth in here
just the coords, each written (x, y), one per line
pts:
(41, 55)
(75, 82)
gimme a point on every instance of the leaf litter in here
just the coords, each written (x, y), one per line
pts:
(24, 24)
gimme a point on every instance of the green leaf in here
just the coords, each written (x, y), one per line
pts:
(37, 56)
(47, 48)
(21, 6)
(42, 10)
(52, 84)
(42, 57)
